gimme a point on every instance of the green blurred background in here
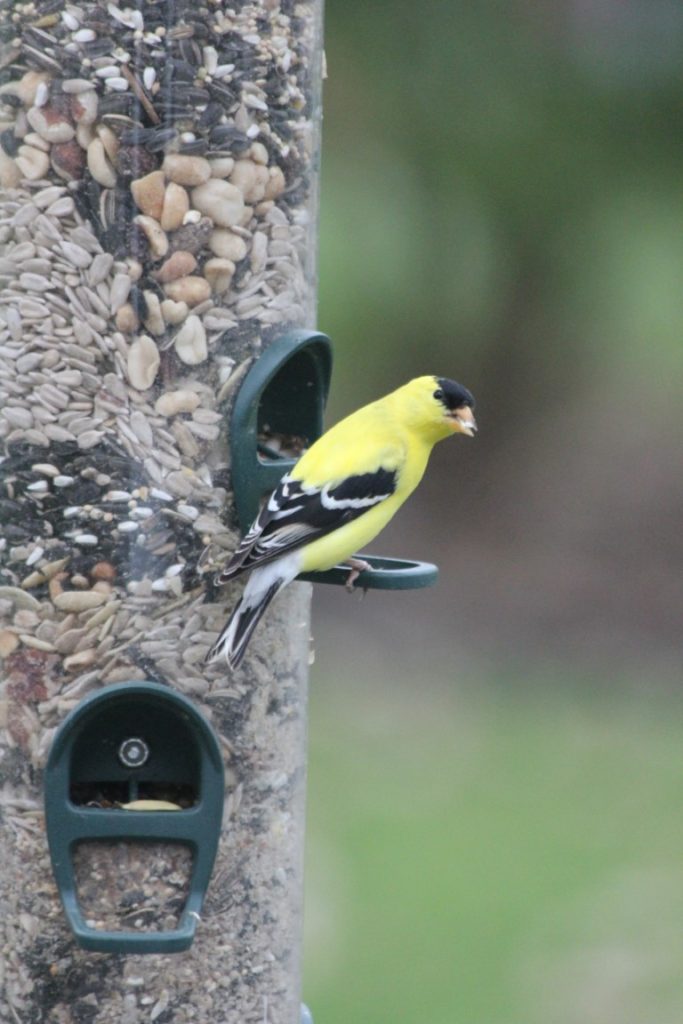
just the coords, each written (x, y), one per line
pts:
(496, 774)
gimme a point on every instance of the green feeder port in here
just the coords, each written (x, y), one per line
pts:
(127, 745)
(283, 396)
(280, 407)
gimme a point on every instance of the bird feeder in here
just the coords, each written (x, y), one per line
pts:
(158, 201)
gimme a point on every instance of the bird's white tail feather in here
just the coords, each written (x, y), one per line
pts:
(263, 585)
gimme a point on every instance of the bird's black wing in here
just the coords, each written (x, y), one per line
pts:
(296, 514)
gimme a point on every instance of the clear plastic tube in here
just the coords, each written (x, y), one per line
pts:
(158, 165)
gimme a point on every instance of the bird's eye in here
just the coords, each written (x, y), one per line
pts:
(438, 394)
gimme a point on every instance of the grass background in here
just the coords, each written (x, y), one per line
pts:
(505, 852)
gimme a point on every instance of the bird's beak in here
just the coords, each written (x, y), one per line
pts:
(464, 421)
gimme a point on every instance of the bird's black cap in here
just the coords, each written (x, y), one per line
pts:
(454, 394)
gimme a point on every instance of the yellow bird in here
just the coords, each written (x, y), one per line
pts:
(339, 495)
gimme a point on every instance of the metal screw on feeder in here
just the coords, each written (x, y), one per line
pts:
(133, 752)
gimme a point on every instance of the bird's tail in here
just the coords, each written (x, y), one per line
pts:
(262, 586)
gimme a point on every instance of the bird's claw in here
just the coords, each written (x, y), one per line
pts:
(357, 566)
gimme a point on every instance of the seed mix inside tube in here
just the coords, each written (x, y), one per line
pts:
(157, 209)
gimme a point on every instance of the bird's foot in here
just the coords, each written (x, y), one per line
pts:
(357, 566)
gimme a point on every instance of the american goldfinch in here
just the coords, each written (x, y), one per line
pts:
(339, 495)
